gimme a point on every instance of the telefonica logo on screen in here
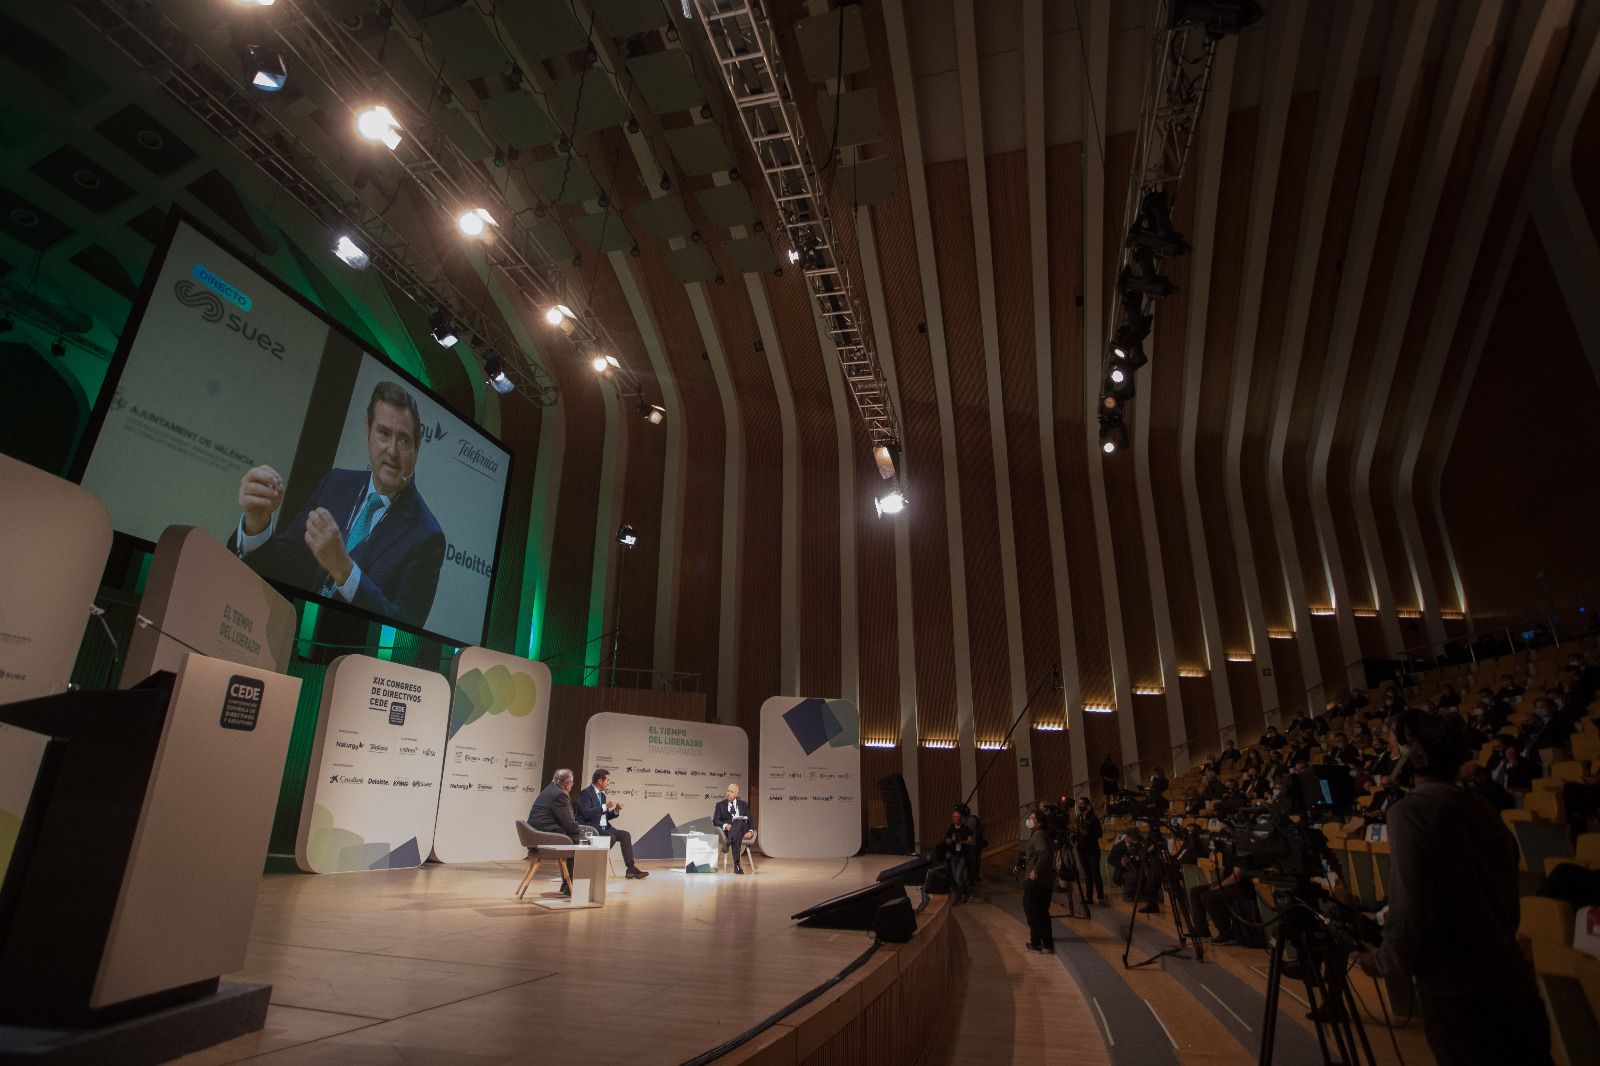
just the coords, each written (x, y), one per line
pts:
(219, 302)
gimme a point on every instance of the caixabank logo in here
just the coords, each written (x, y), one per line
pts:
(225, 304)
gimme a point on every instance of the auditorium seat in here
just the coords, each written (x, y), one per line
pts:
(1568, 770)
(1544, 920)
(1569, 983)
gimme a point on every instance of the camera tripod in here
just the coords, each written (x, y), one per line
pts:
(1076, 891)
(1322, 953)
(1160, 871)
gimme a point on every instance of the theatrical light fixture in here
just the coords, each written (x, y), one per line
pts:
(1098, 708)
(256, 3)
(626, 536)
(603, 363)
(350, 253)
(474, 222)
(268, 72)
(378, 124)
(1049, 727)
(1154, 231)
(562, 318)
(794, 256)
(1219, 17)
(495, 375)
(890, 502)
(441, 330)
(652, 413)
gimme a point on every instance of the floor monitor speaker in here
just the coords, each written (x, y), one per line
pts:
(895, 922)
(853, 910)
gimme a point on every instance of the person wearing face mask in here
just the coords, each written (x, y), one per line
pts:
(1089, 833)
(1038, 860)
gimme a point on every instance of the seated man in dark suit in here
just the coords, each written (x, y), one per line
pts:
(732, 819)
(595, 811)
(364, 537)
(552, 813)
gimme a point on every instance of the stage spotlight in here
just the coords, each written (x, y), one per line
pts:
(475, 222)
(652, 413)
(268, 72)
(1143, 277)
(794, 256)
(562, 318)
(350, 253)
(1219, 17)
(378, 124)
(1127, 344)
(627, 536)
(602, 364)
(891, 502)
(1113, 433)
(256, 3)
(1154, 230)
(1119, 383)
(495, 375)
(441, 330)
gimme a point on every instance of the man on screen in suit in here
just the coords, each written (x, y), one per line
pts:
(552, 813)
(365, 537)
(732, 817)
(595, 811)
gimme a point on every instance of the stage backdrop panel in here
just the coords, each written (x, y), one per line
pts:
(810, 773)
(54, 538)
(373, 791)
(493, 757)
(199, 595)
(668, 775)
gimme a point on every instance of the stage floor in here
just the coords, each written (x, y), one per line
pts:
(443, 965)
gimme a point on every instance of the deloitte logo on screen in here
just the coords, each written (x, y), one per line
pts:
(220, 303)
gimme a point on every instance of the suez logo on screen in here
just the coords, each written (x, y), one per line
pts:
(219, 302)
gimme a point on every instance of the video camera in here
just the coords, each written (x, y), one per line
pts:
(1126, 804)
(1280, 841)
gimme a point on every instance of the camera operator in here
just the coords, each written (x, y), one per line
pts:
(1038, 859)
(1089, 833)
(1216, 904)
(1453, 909)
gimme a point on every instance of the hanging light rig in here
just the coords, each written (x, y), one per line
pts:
(1177, 80)
(741, 37)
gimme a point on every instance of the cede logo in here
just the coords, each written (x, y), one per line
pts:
(222, 288)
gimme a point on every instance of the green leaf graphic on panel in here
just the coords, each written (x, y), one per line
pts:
(330, 849)
(493, 691)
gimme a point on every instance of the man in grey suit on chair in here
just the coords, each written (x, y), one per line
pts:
(732, 817)
(552, 813)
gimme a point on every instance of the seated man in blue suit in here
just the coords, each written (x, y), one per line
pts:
(364, 537)
(600, 813)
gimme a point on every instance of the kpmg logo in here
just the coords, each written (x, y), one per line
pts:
(221, 303)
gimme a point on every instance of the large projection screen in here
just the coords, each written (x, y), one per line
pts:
(221, 371)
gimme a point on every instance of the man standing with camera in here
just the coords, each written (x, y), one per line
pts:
(1088, 847)
(1453, 909)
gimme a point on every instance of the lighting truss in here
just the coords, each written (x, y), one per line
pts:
(752, 70)
(1177, 81)
(207, 89)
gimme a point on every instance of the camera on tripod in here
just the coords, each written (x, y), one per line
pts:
(1132, 804)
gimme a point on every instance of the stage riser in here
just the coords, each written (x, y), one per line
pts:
(884, 1013)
